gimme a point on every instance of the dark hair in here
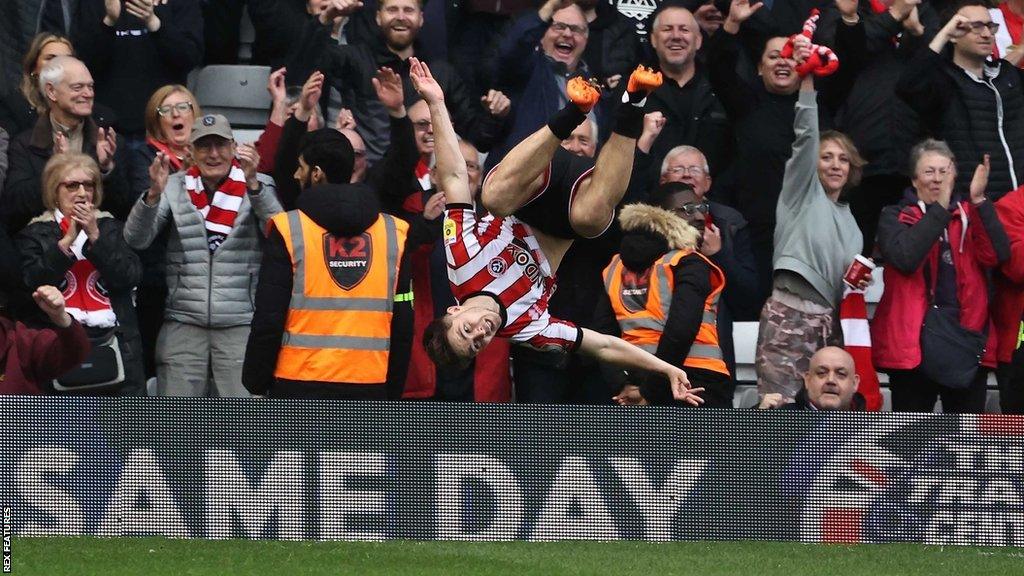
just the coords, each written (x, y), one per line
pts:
(439, 349)
(660, 195)
(331, 151)
(947, 13)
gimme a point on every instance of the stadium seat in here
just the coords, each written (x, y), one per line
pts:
(237, 92)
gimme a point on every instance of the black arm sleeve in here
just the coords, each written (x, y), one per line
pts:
(734, 94)
(905, 247)
(287, 160)
(692, 286)
(273, 297)
(401, 330)
(391, 176)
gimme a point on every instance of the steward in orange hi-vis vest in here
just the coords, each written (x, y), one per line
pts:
(339, 321)
(644, 289)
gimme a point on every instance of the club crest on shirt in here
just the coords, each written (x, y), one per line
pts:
(348, 259)
(497, 266)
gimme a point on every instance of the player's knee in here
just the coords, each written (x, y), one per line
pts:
(590, 222)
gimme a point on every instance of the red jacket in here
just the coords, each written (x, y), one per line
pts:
(1008, 303)
(896, 327)
(30, 357)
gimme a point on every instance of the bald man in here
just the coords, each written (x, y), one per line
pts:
(830, 384)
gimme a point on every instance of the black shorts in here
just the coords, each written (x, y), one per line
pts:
(548, 208)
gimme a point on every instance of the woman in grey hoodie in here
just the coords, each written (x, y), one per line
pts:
(816, 239)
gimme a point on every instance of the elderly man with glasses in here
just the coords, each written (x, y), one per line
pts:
(972, 102)
(215, 211)
(68, 126)
(726, 241)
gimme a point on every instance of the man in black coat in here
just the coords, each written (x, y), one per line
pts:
(973, 103)
(692, 112)
(69, 126)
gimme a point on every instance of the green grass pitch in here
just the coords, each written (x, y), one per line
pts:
(159, 556)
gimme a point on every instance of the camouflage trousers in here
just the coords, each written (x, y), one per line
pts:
(791, 331)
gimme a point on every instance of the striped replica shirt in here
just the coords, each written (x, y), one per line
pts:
(500, 257)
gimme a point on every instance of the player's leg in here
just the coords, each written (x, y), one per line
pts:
(594, 200)
(519, 175)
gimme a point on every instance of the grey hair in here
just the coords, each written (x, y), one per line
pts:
(53, 72)
(929, 145)
(683, 150)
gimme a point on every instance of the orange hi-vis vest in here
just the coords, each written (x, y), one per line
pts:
(641, 304)
(343, 292)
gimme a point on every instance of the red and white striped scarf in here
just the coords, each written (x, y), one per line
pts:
(853, 315)
(85, 298)
(220, 212)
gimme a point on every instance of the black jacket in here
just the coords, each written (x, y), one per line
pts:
(882, 126)
(29, 152)
(350, 68)
(344, 210)
(763, 125)
(974, 117)
(129, 63)
(44, 263)
(613, 45)
(705, 125)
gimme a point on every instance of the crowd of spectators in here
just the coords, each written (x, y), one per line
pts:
(188, 257)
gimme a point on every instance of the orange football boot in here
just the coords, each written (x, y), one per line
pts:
(583, 93)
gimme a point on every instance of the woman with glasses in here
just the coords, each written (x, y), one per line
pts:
(82, 251)
(170, 113)
(939, 248)
(816, 240)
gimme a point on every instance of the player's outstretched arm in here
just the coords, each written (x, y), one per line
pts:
(616, 351)
(451, 174)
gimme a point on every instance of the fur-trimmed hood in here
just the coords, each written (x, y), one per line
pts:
(646, 218)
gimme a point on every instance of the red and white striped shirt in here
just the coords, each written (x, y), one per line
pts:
(501, 257)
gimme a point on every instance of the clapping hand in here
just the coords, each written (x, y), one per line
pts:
(979, 183)
(388, 87)
(106, 147)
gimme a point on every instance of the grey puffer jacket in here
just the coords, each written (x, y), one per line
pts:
(211, 290)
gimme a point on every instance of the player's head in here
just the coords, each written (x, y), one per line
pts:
(454, 339)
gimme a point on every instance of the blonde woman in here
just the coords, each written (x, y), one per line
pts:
(82, 251)
(170, 113)
(20, 110)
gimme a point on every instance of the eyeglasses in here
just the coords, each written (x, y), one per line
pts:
(563, 26)
(422, 125)
(691, 208)
(81, 86)
(180, 108)
(977, 26)
(932, 172)
(694, 171)
(87, 185)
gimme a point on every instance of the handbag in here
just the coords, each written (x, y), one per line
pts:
(102, 369)
(950, 353)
